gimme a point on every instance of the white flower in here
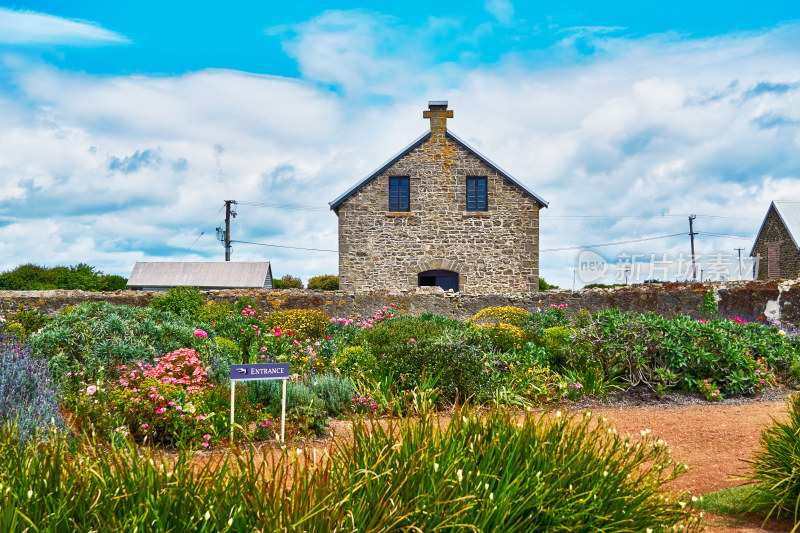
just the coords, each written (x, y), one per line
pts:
(605, 473)
(460, 475)
(491, 496)
(435, 467)
(207, 515)
(558, 414)
(682, 504)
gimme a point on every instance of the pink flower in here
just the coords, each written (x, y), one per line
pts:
(144, 426)
(207, 436)
(295, 342)
(91, 389)
(263, 348)
(411, 339)
(327, 337)
(178, 408)
(200, 333)
(213, 324)
(205, 445)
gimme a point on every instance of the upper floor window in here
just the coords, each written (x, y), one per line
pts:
(399, 194)
(476, 194)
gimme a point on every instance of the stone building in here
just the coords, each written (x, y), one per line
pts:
(439, 214)
(776, 254)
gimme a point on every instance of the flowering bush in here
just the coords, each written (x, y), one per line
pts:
(165, 402)
(504, 337)
(363, 404)
(27, 394)
(504, 315)
(356, 360)
(710, 390)
(303, 322)
(365, 322)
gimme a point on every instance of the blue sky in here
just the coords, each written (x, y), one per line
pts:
(125, 124)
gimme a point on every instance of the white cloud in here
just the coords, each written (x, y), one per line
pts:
(502, 10)
(107, 170)
(31, 28)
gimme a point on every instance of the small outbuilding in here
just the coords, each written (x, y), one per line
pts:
(776, 254)
(161, 276)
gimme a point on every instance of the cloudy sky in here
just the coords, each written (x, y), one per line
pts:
(125, 125)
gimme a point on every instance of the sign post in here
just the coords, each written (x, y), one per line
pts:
(260, 372)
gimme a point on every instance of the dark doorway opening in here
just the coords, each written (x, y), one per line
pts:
(445, 279)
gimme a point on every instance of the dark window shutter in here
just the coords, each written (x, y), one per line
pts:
(399, 194)
(477, 198)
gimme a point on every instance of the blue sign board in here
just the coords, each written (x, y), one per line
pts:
(260, 371)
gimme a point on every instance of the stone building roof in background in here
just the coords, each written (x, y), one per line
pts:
(408, 149)
(204, 275)
(789, 213)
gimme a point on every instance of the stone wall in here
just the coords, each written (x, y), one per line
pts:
(774, 232)
(493, 251)
(746, 299)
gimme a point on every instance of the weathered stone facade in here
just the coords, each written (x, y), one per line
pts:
(775, 233)
(493, 251)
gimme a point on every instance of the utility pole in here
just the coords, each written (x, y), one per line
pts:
(225, 235)
(740, 262)
(691, 236)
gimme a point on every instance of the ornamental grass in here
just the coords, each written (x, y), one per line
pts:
(491, 472)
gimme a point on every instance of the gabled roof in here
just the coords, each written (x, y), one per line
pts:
(205, 275)
(421, 139)
(789, 213)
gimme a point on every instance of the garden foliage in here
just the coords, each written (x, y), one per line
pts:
(28, 396)
(774, 467)
(324, 283)
(567, 475)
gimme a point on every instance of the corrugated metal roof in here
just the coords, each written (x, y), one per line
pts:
(418, 141)
(789, 213)
(205, 275)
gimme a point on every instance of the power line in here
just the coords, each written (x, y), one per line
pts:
(725, 235)
(640, 217)
(610, 243)
(286, 206)
(285, 246)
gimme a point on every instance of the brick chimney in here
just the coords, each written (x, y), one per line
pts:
(438, 113)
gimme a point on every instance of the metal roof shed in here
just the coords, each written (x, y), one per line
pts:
(157, 276)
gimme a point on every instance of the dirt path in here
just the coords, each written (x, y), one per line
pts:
(712, 440)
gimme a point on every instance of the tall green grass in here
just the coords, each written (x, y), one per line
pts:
(491, 472)
(775, 468)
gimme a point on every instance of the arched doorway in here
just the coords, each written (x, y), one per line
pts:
(446, 279)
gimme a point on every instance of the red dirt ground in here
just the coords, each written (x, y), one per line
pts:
(712, 440)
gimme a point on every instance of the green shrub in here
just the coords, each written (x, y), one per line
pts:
(324, 283)
(504, 315)
(457, 369)
(303, 323)
(78, 277)
(556, 341)
(30, 320)
(228, 347)
(287, 282)
(336, 393)
(395, 334)
(356, 360)
(212, 312)
(16, 329)
(179, 300)
(544, 286)
(774, 467)
(99, 334)
(710, 306)
(504, 337)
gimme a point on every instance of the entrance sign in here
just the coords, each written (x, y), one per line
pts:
(260, 372)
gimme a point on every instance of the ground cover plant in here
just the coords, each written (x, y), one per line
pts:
(569, 475)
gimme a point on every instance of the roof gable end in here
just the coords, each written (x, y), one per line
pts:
(408, 149)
